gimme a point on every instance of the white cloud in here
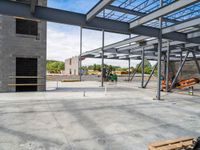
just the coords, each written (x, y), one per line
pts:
(63, 42)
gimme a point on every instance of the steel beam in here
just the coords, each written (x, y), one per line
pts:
(167, 67)
(162, 11)
(179, 70)
(17, 9)
(134, 73)
(129, 69)
(181, 26)
(33, 5)
(136, 13)
(80, 57)
(102, 59)
(97, 9)
(129, 63)
(181, 59)
(158, 95)
(143, 53)
(151, 74)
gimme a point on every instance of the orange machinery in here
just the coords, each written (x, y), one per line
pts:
(182, 84)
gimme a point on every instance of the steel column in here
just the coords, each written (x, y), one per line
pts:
(102, 57)
(196, 61)
(33, 5)
(129, 69)
(167, 67)
(152, 72)
(179, 70)
(142, 85)
(181, 59)
(158, 97)
(81, 47)
(129, 64)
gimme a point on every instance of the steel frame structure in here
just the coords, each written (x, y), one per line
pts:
(165, 26)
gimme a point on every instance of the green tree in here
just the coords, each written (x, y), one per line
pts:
(147, 67)
(55, 66)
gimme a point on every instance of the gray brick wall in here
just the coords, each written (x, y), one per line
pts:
(189, 70)
(14, 45)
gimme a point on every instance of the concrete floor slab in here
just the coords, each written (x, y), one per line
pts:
(124, 118)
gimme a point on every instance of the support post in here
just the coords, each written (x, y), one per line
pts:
(151, 74)
(196, 61)
(167, 67)
(80, 59)
(158, 97)
(179, 70)
(129, 64)
(102, 61)
(129, 69)
(181, 59)
(142, 84)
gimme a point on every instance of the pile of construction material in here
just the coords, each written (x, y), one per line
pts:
(184, 143)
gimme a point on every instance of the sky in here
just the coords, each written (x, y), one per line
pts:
(63, 41)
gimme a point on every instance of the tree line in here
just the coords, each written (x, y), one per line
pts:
(54, 66)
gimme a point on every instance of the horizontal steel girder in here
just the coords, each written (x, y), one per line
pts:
(136, 13)
(162, 11)
(97, 9)
(13, 8)
(181, 26)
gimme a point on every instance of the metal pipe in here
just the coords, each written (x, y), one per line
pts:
(196, 61)
(129, 69)
(179, 70)
(152, 72)
(142, 84)
(158, 96)
(80, 59)
(129, 63)
(167, 67)
(102, 56)
(181, 59)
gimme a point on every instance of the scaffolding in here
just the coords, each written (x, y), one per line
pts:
(162, 30)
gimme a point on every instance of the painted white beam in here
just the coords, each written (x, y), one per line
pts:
(181, 26)
(162, 11)
(124, 57)
(112, 56)
(97, 9)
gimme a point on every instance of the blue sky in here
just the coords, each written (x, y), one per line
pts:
(63, 40)
(80, 6)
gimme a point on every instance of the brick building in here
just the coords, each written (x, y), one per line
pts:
(22, 53)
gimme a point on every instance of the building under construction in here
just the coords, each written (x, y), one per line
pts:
(116, 116)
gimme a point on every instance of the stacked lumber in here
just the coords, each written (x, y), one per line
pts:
(183, 143)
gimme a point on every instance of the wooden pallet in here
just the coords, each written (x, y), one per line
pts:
(182, 143)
